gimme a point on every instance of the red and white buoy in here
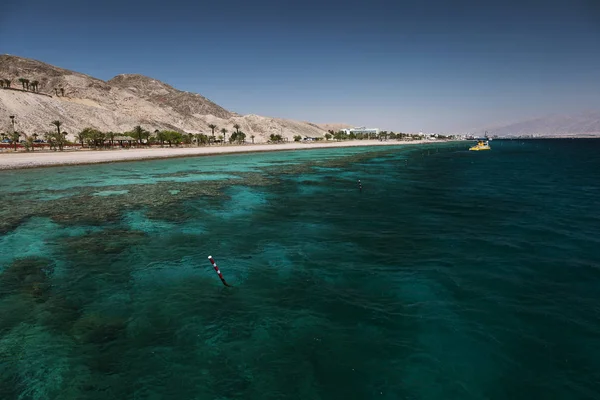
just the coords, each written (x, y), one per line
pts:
(214, 264)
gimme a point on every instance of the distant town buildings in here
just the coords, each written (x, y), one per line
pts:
(361, 130)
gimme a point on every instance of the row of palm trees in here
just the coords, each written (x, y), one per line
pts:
(139, 135)
(142, 135)
(33, 86)
(238, 134)
(56, 139)
(29, 85)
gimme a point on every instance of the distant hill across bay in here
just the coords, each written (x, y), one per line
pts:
(582, 124)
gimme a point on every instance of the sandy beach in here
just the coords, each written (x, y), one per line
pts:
(46, 159)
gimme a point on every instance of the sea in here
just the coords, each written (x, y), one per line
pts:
(446, 274)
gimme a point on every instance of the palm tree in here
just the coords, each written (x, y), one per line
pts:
(57, 124)
(7, 82)
(81, 136)
(1, 82)
(62, 91)
(212, 128)
(27, 84)
(29, 143)
(241, 137)
(237, 128)
(224, 132)
(161, 136)
(15, 138)
(58, 139)
(111, 136)
(138, 131)
(22, 80)
(33, 139)
(94, 137)
(201, 139)
(56, 91)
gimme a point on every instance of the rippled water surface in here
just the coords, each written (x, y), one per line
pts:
(451, 275)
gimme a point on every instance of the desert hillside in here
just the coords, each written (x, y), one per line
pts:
(80, 101)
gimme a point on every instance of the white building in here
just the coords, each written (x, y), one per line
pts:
(361, 129)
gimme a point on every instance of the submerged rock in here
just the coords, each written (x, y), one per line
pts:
(96, 328)
(30, 275)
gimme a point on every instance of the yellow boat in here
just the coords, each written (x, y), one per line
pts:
(481, 145)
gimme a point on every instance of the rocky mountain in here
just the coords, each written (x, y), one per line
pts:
(80, 101)
(580, 124)
(160, 93)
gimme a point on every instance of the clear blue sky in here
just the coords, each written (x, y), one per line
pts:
(431, 65)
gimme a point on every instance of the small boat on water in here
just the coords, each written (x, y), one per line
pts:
(481, 145)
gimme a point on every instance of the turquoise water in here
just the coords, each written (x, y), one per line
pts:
(451, 275)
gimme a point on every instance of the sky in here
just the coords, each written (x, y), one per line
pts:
(445, 66)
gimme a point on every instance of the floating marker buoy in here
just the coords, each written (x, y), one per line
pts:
(214, 264)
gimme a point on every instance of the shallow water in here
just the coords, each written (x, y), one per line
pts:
(451, 275)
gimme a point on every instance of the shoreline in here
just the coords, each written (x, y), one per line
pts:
(13, 161)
